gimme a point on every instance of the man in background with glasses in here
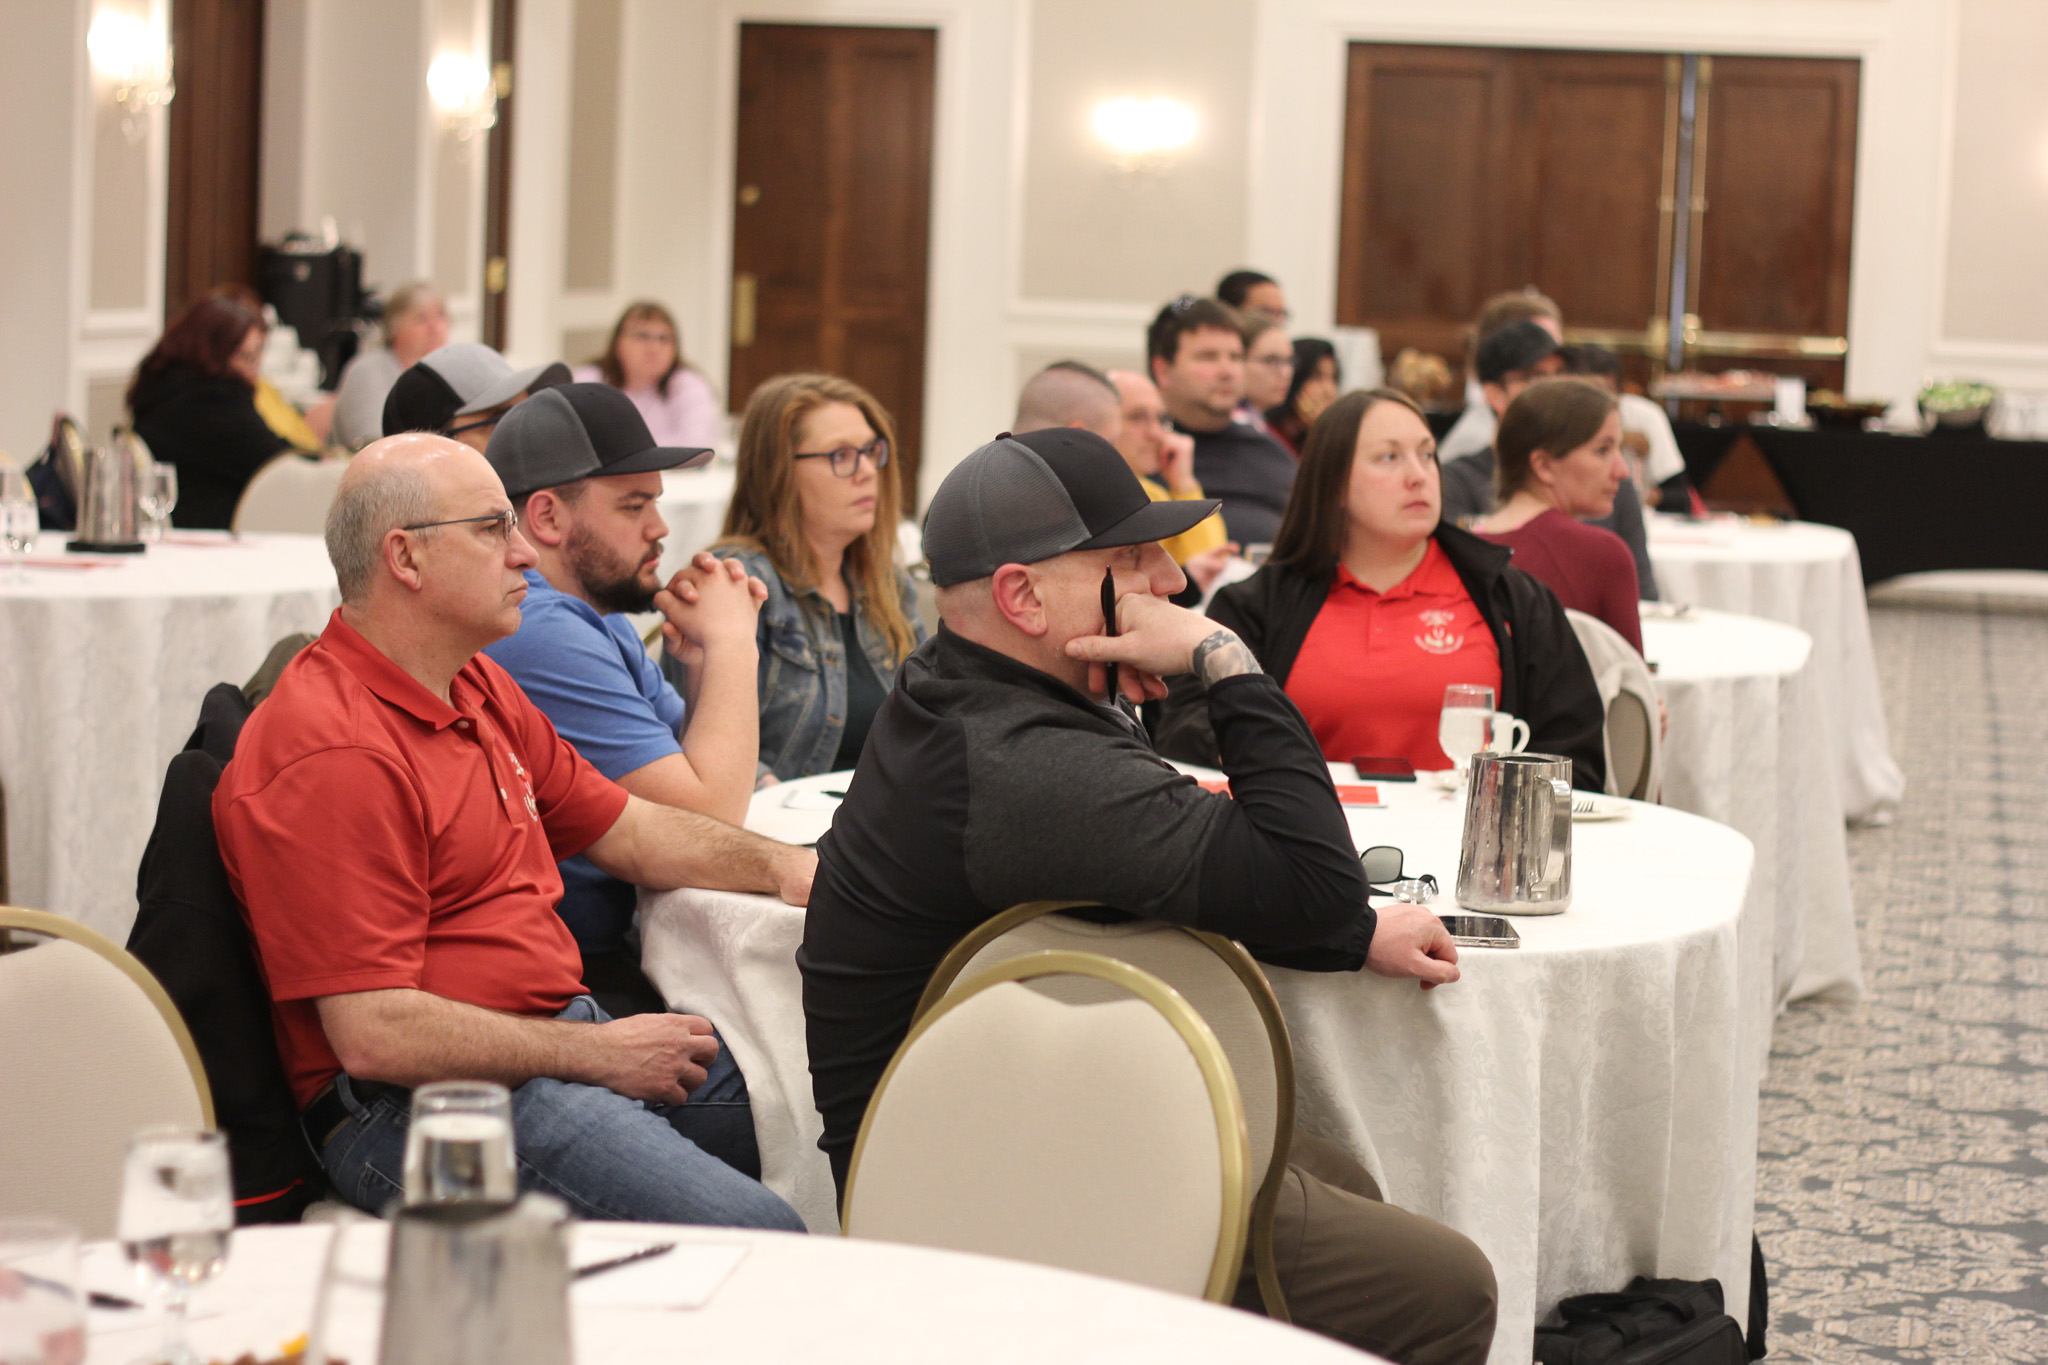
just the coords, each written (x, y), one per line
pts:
(462, 391)
(391, 822)
(1006, 767)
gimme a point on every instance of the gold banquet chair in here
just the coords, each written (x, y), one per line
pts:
(1226, 987)
(1066, 1109)
(91, 1049)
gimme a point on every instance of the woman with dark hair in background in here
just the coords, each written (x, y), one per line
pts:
(193, 402)
(1371, 605)
(1557, 459)
(644, 358)
(813, 516)
(1312, 385)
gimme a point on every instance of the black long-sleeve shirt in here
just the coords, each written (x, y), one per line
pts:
(986, 783)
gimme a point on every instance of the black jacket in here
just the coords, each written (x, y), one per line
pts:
(986, 783)
(209, 428)
(1545, 679)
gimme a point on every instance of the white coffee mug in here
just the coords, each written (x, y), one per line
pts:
(1505, 734)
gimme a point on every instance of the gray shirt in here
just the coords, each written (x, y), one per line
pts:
(359, 403)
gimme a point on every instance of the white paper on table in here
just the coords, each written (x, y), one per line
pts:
(806, 799)
(684, 1277)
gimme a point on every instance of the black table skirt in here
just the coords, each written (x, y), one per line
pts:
(1914, 503)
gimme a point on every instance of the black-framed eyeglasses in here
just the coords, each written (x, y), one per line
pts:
(478, 425)
(846, 459)
(504, 524)
(1383, 868)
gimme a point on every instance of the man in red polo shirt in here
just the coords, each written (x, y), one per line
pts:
(391, 822)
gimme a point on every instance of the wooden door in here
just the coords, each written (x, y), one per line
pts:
(1469, 171)
(1777, 185)
(831, 213)
(216, 124)
(498, 177)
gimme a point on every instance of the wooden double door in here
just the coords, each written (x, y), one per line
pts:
(831, 213)
(1683, 209)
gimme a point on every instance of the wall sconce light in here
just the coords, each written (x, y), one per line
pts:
(463, 93)
(1143, 134)
(135, 62)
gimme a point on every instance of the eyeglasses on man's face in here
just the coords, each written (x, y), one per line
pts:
(1279, 364)
(498, 525)
(846, 459)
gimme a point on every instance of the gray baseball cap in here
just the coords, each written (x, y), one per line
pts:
(461, 378)
(1021, 499)
(579, 431)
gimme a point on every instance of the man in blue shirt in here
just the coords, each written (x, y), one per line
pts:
(584, 473)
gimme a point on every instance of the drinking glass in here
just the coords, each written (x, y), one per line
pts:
(1462, 729)
(19, 520)
(458, 1146)
(42, 1313)
(162, 497)
(177, 1209)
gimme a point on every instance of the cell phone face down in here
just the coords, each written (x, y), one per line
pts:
(1384, 769)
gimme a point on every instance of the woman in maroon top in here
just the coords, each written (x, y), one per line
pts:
(1559, 458)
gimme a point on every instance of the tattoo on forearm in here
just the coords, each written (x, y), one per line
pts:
(1221, 656)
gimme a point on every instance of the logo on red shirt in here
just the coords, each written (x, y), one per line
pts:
(1436, 635)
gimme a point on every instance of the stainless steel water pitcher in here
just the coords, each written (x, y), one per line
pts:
(107, 508)
(478, 1284)
(1517, 854)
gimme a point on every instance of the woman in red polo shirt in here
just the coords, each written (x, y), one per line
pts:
(1371, 605)
(1559, 458)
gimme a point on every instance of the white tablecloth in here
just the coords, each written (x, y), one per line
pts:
(693, 503)
(1584, 1107)
(1807, 576)
(102, 670)
(789, 1299)
(1748, 747)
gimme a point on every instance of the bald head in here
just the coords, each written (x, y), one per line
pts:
(399, 481)
(1069, 394)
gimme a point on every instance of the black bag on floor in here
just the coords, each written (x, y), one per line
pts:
(1652, 1322)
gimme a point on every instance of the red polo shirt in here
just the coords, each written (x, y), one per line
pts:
(380, 838)
(1371, 675)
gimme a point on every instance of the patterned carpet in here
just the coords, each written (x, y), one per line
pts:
(1903, 1183)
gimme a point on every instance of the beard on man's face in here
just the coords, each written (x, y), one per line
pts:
(611, 582)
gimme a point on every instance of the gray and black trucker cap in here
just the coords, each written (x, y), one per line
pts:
(460, 378)
(578, 431)
(1021, 499)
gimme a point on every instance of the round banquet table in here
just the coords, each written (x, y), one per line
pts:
(693, 503)
(1809, 576)
(103, 662)
(1747, 747)
(1583, 1107)
(787, 1298)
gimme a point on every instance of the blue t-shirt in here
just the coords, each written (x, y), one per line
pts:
(590, 675)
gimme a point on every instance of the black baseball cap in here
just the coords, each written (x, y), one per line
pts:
(1021, 499)
(1516, 348)
(458, 380)
(579, 431)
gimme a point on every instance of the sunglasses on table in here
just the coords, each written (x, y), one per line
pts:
(1383, 869)
(846, 459)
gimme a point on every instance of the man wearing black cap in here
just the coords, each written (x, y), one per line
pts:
(1508, 360)
(462, 391)
(579, 464)
(1001, 770)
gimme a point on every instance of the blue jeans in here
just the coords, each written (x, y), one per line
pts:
(604, 1155)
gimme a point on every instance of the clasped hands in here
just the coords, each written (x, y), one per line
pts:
(708, 603)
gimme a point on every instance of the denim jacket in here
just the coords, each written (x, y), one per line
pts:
(803, 668)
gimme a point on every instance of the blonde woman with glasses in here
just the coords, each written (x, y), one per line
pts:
(813, 516)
